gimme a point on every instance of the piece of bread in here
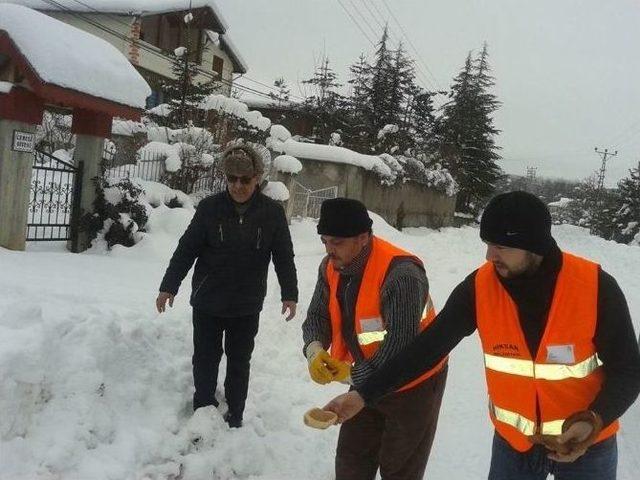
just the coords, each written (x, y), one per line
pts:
(318, 418)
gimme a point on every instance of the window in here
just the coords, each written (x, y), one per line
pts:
(218, 64)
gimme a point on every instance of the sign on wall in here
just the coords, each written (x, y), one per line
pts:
(23, 141)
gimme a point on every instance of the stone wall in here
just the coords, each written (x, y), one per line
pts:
(407, 204)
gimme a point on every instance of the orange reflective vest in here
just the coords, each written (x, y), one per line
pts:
(527, 395)
(369, 325)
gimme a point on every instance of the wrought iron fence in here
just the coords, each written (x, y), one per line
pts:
(151, 166)
(147, 166)
(54, 199)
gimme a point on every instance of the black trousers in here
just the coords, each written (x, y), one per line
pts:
(239, 334)
(394, 436)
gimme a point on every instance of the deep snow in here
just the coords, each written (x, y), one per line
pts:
(95, 385)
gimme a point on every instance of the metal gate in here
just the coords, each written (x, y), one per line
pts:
(55, 198)
(307, 202)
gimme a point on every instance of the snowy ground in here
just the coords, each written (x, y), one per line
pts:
(95, 385)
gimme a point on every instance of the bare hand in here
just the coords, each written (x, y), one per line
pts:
(574, 439)
(346, 406)
(161, 301)
(291, 307)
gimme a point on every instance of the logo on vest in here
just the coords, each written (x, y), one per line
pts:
(506, 350)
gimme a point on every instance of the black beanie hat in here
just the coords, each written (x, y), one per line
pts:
(519, 220)
(343, 217)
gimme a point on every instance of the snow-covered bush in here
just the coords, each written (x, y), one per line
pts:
(118, 216)
(626, 218)
(434, 177)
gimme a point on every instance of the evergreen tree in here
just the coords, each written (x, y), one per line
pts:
(385, 96)
(182, 93)
(325, 104)
(467, 133)
(281, 97)
(358, 106)
(626, 219)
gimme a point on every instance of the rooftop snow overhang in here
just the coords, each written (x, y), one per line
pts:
(60, 96)
(212, 17)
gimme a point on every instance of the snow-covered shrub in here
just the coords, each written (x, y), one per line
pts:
(626, 218)
(118, 214)
(416, 170)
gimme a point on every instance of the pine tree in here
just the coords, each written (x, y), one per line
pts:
(358, 106)
(467, 133)
(384, 89)
(325, 104)
(281, 97)
(626, 219)
(182, 93)
(407, 104)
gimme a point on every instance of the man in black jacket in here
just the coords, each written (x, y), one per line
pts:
(532, 275)
(232, 237)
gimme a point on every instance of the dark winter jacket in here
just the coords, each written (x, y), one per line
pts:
(614, 337)
(233, 253)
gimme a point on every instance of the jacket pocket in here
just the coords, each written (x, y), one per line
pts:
(195, 292)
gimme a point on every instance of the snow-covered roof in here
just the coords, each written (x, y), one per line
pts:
(240, 65)
(125, 7)
(67, 57)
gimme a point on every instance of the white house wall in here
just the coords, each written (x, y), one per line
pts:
(121, 26)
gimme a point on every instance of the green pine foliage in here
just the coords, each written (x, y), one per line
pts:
(626, 217)
(467, 133)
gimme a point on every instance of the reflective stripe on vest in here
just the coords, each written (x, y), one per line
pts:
(543, 371)
(523, 424)
(367, 338)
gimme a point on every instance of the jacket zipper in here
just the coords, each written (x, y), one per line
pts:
(221, 233)
(259, 242)
(241, 219)
(195, 293)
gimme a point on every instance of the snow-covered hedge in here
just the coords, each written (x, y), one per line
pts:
(390, 169)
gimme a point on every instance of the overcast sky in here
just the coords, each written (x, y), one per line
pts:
(567, 71)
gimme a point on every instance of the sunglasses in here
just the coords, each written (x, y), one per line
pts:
(243, 180)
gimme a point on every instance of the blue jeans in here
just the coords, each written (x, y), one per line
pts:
(599, 463)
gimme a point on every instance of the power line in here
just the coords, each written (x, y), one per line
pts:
(364, 18)
(419, 70)
(117, 34)
(356, 23)
(366, 5)
(411, 43)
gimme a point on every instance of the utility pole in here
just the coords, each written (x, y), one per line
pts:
(605, 154)
(531, 177)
